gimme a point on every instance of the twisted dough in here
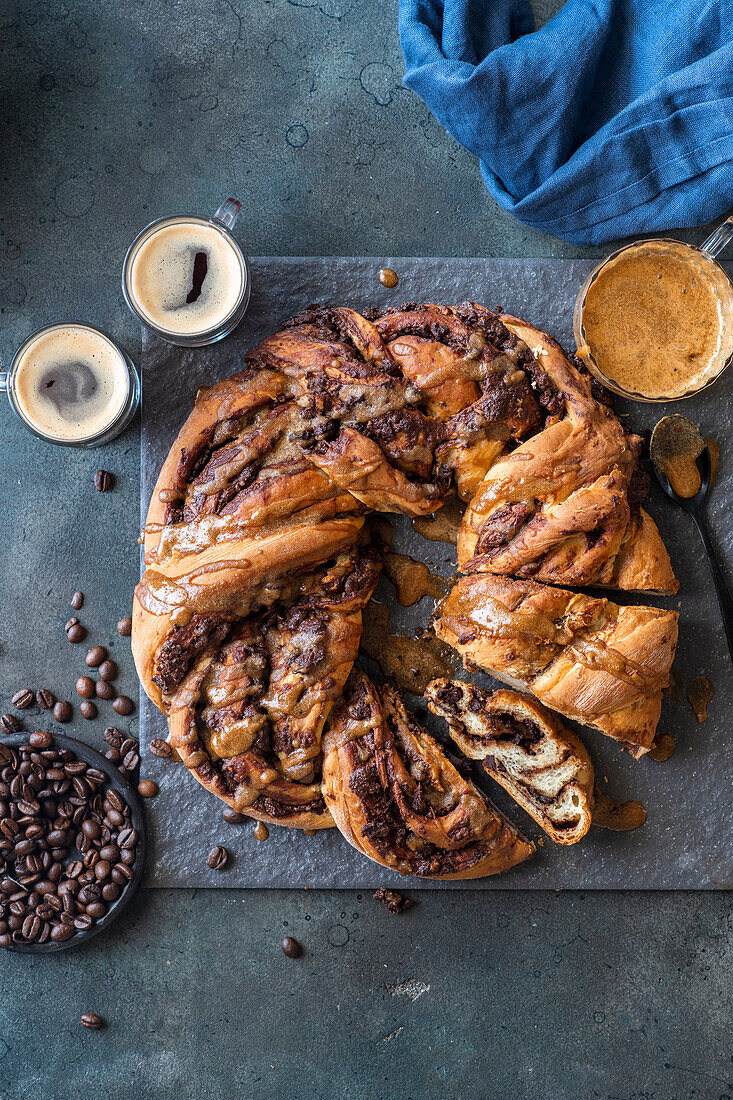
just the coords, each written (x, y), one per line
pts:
(247, 619)
(563, 506)
(544, 766)
(603, 665)
(397, 798)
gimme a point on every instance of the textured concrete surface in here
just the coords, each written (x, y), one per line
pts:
(113, 114)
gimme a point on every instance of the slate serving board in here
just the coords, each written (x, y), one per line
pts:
(687, 841)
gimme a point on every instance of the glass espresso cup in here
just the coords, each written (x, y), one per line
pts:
(187, 278)
(654, 320)
(72, 385)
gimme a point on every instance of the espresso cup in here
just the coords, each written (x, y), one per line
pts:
(654, 320)
(187, 278)
(72, 385)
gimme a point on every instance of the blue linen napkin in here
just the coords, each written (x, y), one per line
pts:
(613, 119)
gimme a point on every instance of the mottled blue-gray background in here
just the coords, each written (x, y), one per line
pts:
(115, 113)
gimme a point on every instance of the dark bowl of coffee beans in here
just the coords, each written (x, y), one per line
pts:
(72, 842)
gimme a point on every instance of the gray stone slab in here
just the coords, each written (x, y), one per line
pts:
(686, 841)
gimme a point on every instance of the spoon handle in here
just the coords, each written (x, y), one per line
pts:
(725, 600)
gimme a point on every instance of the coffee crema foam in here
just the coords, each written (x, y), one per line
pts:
(186, 278)
(71, 383)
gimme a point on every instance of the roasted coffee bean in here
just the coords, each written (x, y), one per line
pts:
(104, 690)
(22, 698)
(77, 600)
(96, 909)
(63, 711)
(41, 739)
(291, 947)
(62, 932)
(83, 922)
(102, 870)
(148, 788)
(95, 656)
(85, 687)
(9, 723)
(72, 622)
(31, 927)
(88, 709)
(232, 816)
(76, 633)
(160, 748)
(103, 481)
(110, 852)
(28, 809)
(45, 699)
(121, 874)
(108, 670)
(131, 762)
(92, 1021)
(114, 756)
(129, 745)
(110, 892)
(124, 627)
(127, 838)
(123, 705)
(217, 858)
(114, 800)
(90, 892)
(113, 737)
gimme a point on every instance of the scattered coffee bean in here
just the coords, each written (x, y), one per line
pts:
(92, 1021)
(388, 278)
(62, 711)
(232, 816)
(123, 705)
(104, 690)
(113, 755)
(108, 670)
(72, 622)
(392, 901)
(41, 740)
(217, 858)
(22, 698)
(103, 481)
(113, 737)
(95, 656)
(76, 633)
(148, 788)
(45, 699)
(161, 748)
(85, 687)
(88, 709)
(291, 947)
(9, 723)
(124, 627)
(77, 600)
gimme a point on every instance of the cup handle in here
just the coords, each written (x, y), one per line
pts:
(228, 213)
(719, 238)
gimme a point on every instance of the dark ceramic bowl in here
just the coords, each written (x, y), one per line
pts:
(117, 782)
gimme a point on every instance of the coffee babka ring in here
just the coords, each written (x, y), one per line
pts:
(543, 765)
(398, 799)
(557, 507)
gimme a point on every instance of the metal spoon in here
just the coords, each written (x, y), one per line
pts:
(668, 431)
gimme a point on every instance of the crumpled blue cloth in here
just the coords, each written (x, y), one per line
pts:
(613, 119)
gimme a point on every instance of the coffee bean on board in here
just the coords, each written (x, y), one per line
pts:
(217, 858)
(88, 709)
(160, 748)
(124, 627)
(104, 690)
(85, 687)
(232, 817)
(123, 705)
(41, 740)
(22, 698)
(148, 788)
(108, 670)
(76, 633)
(77, 600)
(92, 1021)
(291, 947)
(9, 723)
(95, 656)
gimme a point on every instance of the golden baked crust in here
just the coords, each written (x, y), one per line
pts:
(397, 798)
(603, 665)
(543, 765)
(558, 508)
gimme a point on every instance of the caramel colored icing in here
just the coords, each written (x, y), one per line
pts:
(409, 663)
(442, 526)
(413, 580)
(622, 816)
(663, 747)
(653, 319)
(700, 692)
